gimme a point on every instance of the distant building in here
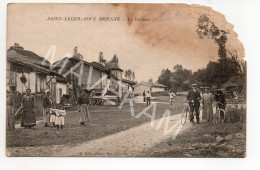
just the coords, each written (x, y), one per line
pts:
(148, 86)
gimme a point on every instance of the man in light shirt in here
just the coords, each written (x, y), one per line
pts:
(148, 98)
(172, 96)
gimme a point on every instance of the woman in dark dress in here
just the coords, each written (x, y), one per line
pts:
(28, 117)
(83, 102)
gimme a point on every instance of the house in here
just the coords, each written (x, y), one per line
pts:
(116, 73)
(24, 70)
(100, 69)
(97, 73)
(148, 86)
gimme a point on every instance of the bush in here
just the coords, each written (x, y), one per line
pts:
(235, 114)
(160, 93)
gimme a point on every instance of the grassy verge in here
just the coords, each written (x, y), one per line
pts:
(204, 140)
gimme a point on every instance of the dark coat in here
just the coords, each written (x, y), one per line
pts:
(220, 97)
(46, 102)
(195, 96)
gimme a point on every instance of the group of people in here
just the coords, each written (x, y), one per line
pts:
(208, 100)
(53, 115)
(147, 97)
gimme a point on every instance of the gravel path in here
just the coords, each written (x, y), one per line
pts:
(132, 142)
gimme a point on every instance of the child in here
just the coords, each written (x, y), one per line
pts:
(53, 116)
(59, 120)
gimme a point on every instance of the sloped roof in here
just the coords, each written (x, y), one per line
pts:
(129, 82)
(29, 55)
(18, 58)
(113, 66)
(98, 65)
(152, 84)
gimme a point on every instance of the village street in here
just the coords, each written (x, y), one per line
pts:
(131, 142)
(114, 132)
(109, 133)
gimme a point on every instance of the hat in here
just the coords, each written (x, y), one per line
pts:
(207, 87)
(28, 89)
(46, 91)
(193, 85)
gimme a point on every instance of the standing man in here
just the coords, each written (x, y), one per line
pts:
(207, 101)
(144, 95)
(172, 96)
(148, 98)
(47, 104)
(194, 103)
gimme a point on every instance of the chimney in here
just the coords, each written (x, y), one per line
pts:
(16, 46)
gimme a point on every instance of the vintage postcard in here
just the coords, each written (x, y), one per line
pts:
(123, 80)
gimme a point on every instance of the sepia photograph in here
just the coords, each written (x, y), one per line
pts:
(124, 80)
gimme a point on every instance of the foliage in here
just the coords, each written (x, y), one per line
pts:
(101, 58)
(220, 72)
(235, 115)
(130, 75)
(178, 79)
(207, 28)
(165, 78)
(76, 54)
(114, 59)
(159, 93)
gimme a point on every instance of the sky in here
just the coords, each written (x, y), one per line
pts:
(146, 47)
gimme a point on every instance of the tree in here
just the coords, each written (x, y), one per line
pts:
(126, 74)
(220, 72)
(133, 75)
(181, 77)
(207, 28)
(101, 58)
(178, 79)
(76, 54)
(165, 78)
(114, 60)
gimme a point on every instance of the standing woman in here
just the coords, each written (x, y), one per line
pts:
(47, 105)
(207, 101)
(28, 117)
(9, 113)
(83, 102)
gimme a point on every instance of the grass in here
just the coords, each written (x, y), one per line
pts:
(105, 120)
(204, 140)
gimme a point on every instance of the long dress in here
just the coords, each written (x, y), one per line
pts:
(207, 101)
(29, 117)
(84, 111)
(9, 114)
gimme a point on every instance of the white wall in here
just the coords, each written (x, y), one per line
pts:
(156, 89)
(139, 89)
(29, 84)
(63, 87)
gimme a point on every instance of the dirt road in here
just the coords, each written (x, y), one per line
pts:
(132, 142)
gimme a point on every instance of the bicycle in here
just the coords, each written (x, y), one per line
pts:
(219, 116)
(184, 114)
